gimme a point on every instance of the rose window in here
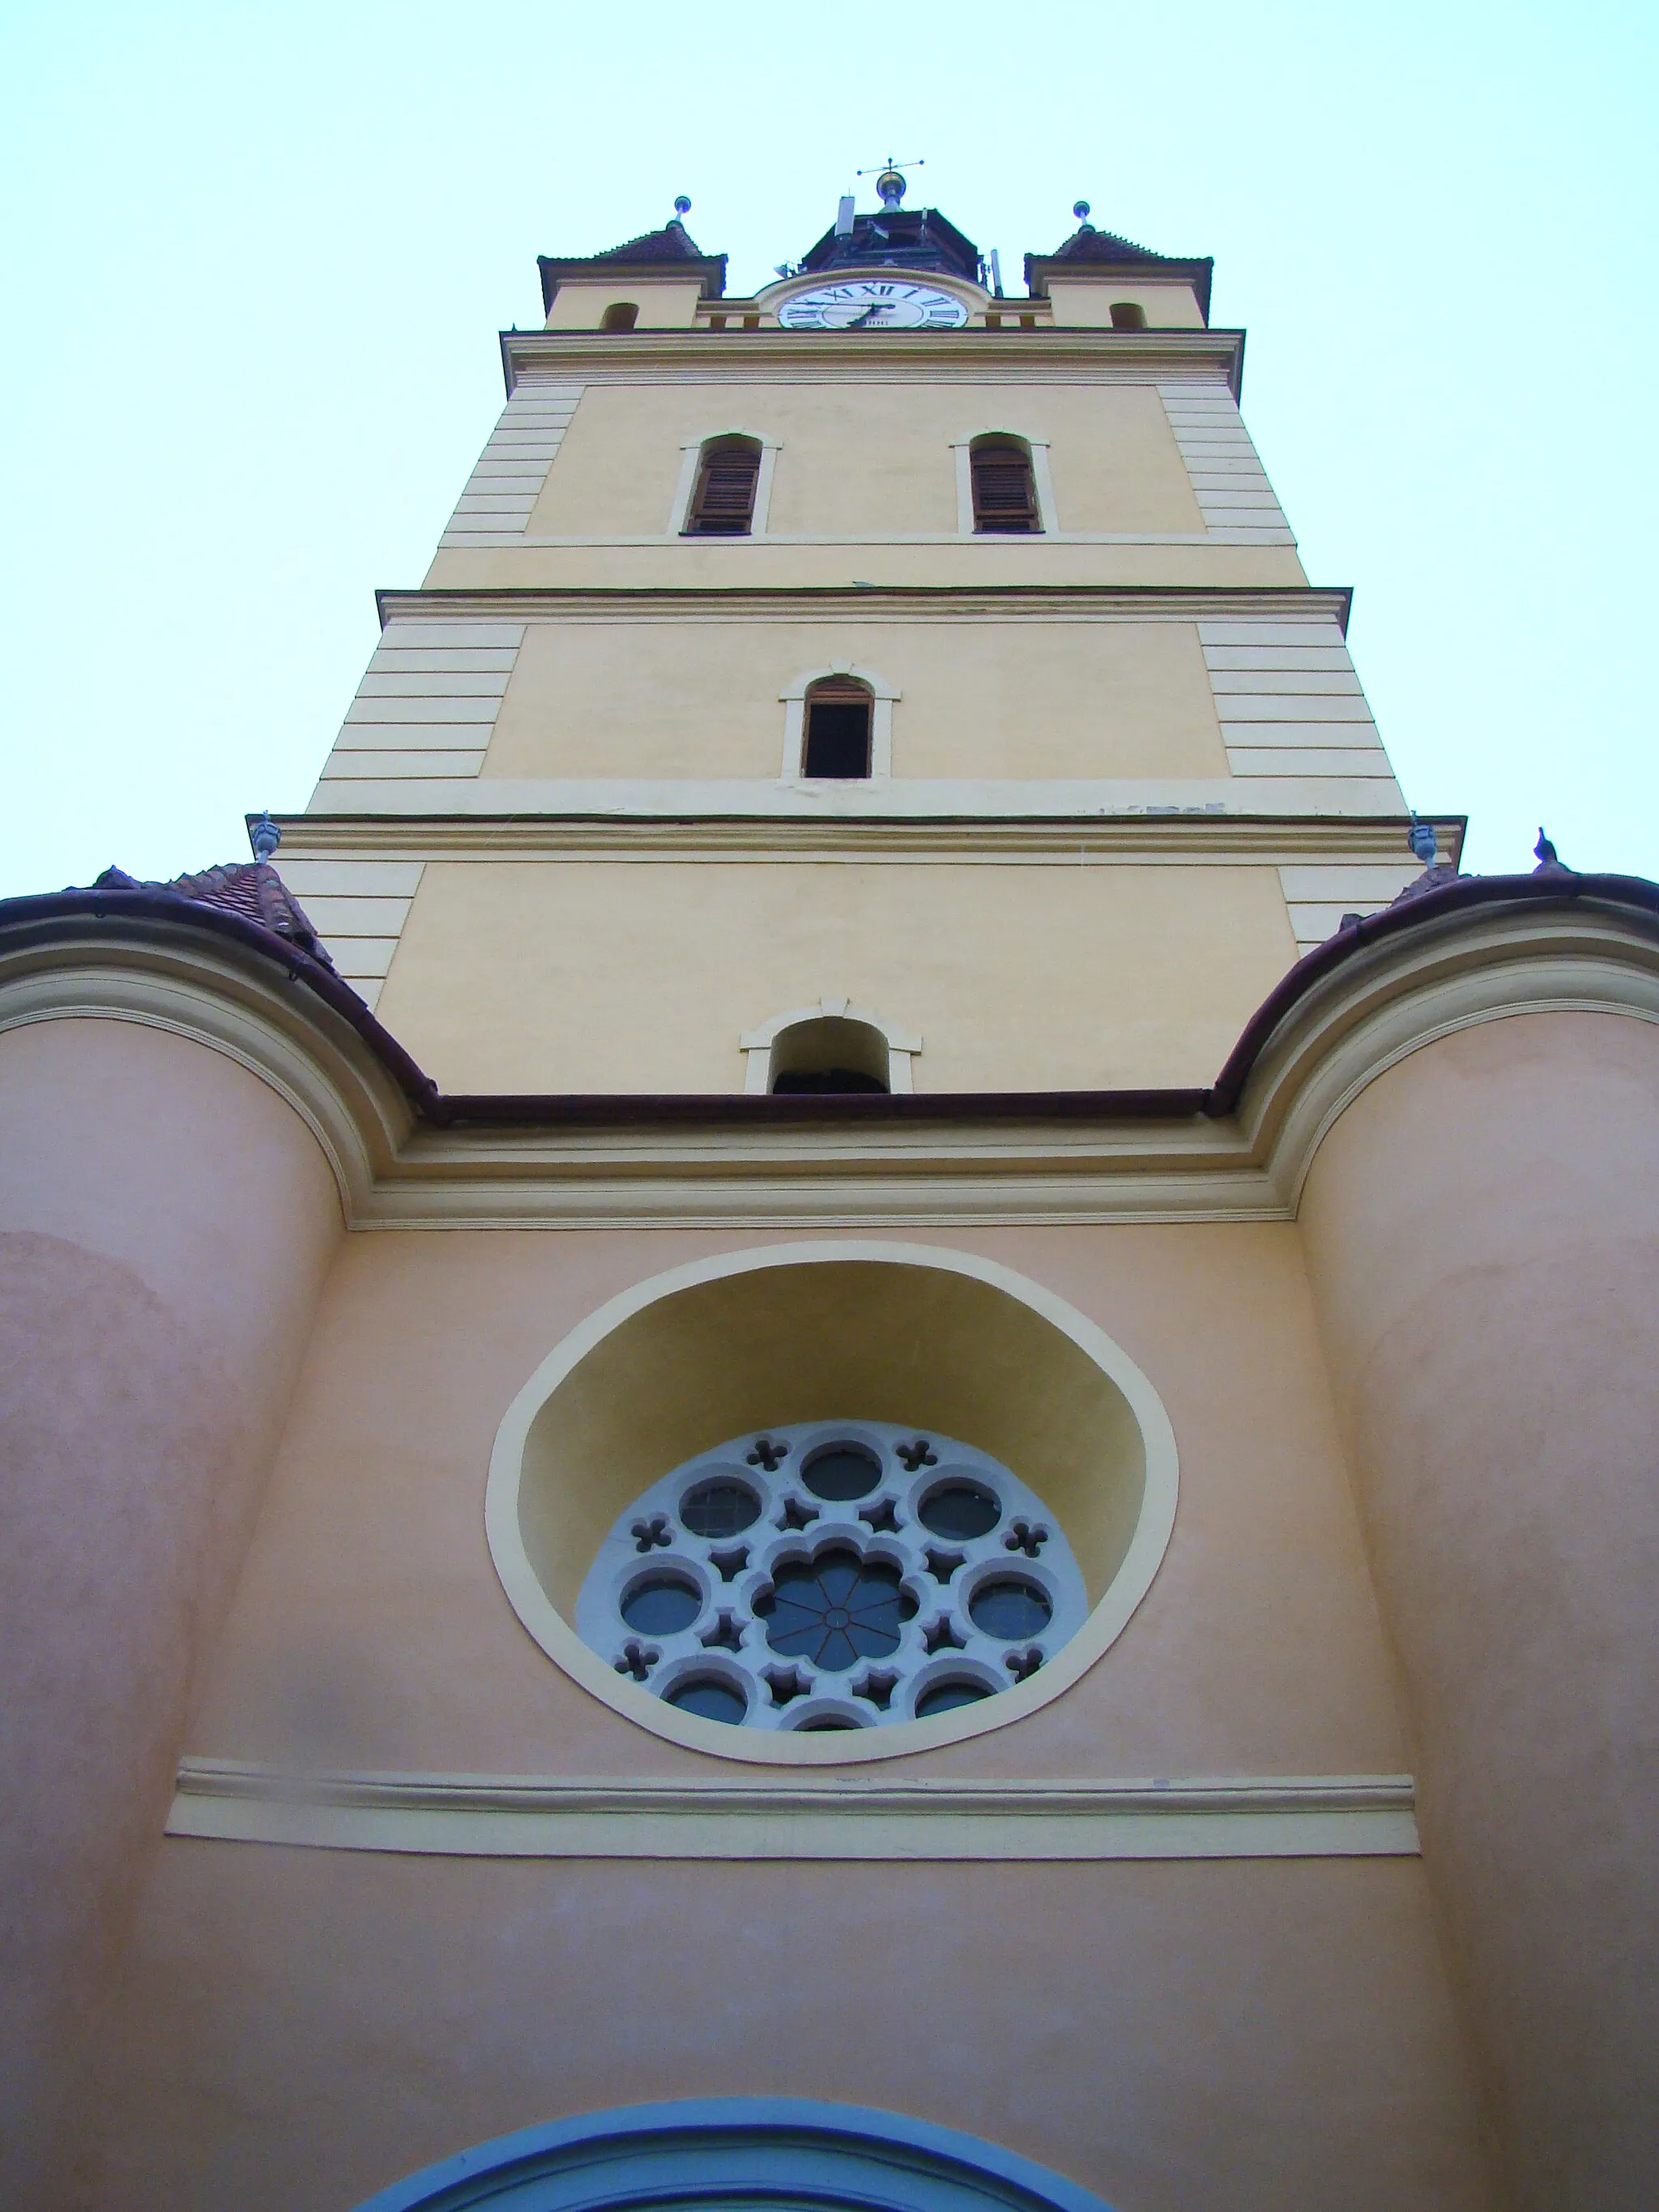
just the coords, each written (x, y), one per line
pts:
(832, 1575)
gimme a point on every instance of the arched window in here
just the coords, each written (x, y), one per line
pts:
(830, 1047)
(723, 501)
(1004, 497)
(620, 315)
(830, 1055)
(836, 743)
(1128, 315)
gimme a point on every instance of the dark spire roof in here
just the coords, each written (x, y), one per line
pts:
(650, 253)
(1105, 249)
(671, 243)
(897, 238)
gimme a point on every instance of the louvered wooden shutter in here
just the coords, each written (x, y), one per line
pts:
(725, 504)
(1004, 497)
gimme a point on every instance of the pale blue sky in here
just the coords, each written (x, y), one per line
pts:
(257, 257)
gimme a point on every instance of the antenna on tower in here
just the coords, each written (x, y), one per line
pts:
(844, 215)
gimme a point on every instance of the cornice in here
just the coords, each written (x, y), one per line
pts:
(909, 603)
(1481, 949)
(1179, 839)
(1058, 353)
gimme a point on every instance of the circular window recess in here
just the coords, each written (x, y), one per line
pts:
(643, 1464)
(844, 1588)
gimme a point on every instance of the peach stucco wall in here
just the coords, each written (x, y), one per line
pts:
(302, 2027)
(370, 1630)
(166, 1222)
(1177, 2036)
(1483, 1237)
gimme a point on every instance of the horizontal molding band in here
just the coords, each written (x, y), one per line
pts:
(1156, 838)
(527, 1816)
(906, 602)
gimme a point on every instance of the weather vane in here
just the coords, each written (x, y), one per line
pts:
(890, 179)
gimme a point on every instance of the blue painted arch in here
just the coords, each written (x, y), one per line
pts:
(771, 2154)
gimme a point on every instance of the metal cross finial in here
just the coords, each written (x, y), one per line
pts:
(889, 181)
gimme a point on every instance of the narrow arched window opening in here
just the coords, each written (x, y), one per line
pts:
(723, 501)
(1004, 494)
(1128, 315)
(620, 315)
(839, 712)
(827, 1055)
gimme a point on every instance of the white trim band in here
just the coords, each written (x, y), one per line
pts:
(535, 1816)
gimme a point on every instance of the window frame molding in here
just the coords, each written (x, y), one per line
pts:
(691, 454)
(883, 696)
(1043, 484)
(756, 1044)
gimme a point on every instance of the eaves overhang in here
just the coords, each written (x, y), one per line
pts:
(631, 356)
(61, 917)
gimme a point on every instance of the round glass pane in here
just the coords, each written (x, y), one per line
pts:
(709, 1698)
(945, 1697)
(839, 1609)
(660, 1605)
(720, 1509)
(1010, 1609)
(960, 1510)
(841, 1472)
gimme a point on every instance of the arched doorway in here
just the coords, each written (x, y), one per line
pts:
(767, 2151)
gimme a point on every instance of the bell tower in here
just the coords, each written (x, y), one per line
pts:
(877, 638)
(850, 1399)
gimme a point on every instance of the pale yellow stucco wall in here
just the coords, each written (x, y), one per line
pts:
(701, 698)
(664, 303)
(605, 975)
(860, 458)
(1086, 303)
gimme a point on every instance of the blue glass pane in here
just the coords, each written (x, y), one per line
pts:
(708, 1697)
(960, 1510)
(945, 1697)
(720, 1509)
(843, 1471)
(1010, 1609)
(661, 1604)
(839, 1609)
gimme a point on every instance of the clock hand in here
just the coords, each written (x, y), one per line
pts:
(879, 308)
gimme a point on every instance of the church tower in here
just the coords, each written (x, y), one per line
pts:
(847, 1400)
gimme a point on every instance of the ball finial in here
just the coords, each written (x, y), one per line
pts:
(682, 205)
(263, 836)
(1080, 210)
(890, 188)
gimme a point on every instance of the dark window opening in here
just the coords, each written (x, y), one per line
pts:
(621, 315)
(830, 1055)
(1005, 496)
(838, 718)
(723, 504)
(1128, 315)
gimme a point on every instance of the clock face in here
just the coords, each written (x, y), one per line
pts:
(872, 303)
